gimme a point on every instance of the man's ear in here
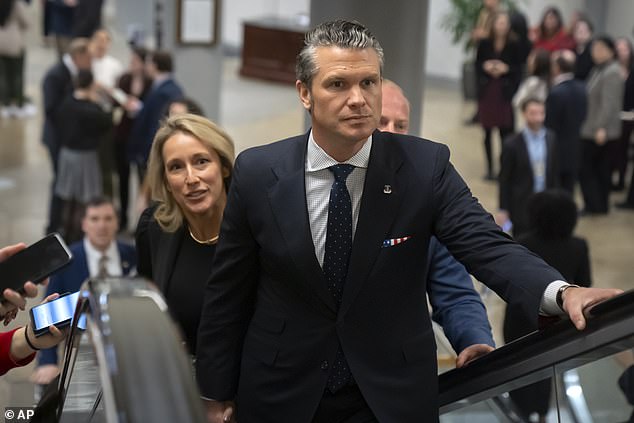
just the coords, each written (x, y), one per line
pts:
(304, 94)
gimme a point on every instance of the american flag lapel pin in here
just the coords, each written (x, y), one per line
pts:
(387, 189)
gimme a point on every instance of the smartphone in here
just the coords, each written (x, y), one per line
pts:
(34, 263)
(58, 312)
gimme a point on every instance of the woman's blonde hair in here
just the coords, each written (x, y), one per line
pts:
(168, 214)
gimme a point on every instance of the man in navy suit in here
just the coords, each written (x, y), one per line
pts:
(57, 85)
(449, 286)
(165, 89)
(98, 254)
(299, 325)
(566, 106)
(529, 164)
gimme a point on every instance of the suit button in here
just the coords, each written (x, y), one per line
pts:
(324, 365)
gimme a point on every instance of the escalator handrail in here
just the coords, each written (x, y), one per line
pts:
(145, 372)
(609, 329)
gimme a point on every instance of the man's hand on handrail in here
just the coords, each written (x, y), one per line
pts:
(576, 300)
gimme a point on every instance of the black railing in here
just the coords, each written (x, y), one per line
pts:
(537, 356)
(144, 374)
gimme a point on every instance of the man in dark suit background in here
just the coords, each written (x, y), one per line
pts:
(449, 287)
(315, 310)
(528, 165)
(57, 85)
(566, 106)
(165, 89)
(98, 254)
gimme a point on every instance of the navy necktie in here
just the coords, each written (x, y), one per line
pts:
(336, 257)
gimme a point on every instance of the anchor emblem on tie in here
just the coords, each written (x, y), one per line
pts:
(387, 189)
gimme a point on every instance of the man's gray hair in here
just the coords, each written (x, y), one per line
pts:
(339, 33)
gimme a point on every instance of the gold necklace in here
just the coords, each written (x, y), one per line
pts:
(209, 241)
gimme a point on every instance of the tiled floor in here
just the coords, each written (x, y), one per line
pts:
(255, 112)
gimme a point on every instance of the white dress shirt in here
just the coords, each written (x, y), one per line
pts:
(107, 70)
(70, 65)
(319, 180)
(113, 265)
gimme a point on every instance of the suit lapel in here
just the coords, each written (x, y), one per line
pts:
(383, 193)
(83, 259)
(168, 245)
(126, 266)
(522, 151)
(288, 203)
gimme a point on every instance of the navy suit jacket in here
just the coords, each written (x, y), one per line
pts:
(456, 306)
(147, 121)
(270, 328)
(69, 280)
(566, 106)
(57, 85)
(517, 180)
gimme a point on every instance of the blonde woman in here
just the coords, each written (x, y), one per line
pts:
(189, 171)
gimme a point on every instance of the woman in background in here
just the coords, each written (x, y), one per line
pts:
(189, 171)
(602, 125)
(498, 68)
(628, 126)
(83, 124)
(135, 83)
(552, 34)
(620, 156)
(537, 83)
(582, 35)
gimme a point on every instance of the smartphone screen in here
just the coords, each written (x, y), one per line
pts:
(58, 312)
(34, 263)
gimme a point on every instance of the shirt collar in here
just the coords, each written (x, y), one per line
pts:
(91, 251)
(68, 62)
(541, 133)
(318, 159)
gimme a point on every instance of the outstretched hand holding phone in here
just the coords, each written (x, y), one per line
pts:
(25, 342)
(20, 264)
(21, 343)
(13, 300)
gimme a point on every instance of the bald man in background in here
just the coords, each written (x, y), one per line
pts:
(456, 305)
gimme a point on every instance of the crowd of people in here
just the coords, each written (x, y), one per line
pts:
(121, 110)
(260, 258)
(574, 91)
(586, 84)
